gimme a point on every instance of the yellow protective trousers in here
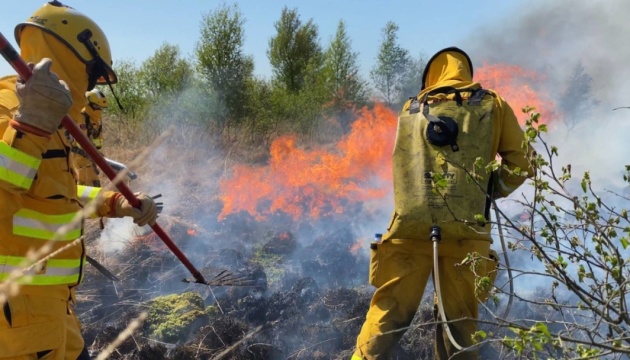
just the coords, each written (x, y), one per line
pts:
(400, 269)
(36, 327)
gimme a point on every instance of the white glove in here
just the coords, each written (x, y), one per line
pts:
(44, 99)
(147, 214)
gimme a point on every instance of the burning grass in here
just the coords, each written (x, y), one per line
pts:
(308, 292)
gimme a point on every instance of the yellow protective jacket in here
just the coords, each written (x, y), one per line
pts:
(38, 195)
(487, 126)
(93, 125)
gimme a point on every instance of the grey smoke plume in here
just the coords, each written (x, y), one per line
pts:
(580, 51)
(553, 37)
(579, 48)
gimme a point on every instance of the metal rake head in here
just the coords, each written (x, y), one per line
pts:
(225, 278)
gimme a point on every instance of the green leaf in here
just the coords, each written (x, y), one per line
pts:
(479, 335)
(442, 183)
(480, 219)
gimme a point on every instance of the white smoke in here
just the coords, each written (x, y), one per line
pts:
(117, 234)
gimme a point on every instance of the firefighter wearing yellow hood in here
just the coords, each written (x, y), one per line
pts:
(446, 135)
(38, 193)
(84, 168)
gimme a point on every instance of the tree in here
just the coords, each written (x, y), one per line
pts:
(577, 100)
(165, 72)
(294, 52)
(391, 66)
(412, 81)
(131, 95)
(223, 65)
(341, 69)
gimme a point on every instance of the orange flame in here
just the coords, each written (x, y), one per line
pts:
(519, 87)
(326, 180)
(321, 181)
(192, 232)
(356, 246)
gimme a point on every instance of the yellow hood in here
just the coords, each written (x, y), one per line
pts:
(448, 67)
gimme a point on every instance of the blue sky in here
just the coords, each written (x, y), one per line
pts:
(137, 28)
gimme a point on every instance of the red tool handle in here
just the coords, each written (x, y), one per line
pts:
(18, 64)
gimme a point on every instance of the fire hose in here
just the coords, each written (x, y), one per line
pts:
(507, 263)
(435, 237)
(20, 66)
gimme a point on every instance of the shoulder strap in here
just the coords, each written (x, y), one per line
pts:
(444, 90)
(476, 96)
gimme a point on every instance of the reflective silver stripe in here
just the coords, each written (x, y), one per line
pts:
(31, 223)
(37, 224)
(50, 271)
(17, 167)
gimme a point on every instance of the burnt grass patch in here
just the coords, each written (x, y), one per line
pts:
(304, 299)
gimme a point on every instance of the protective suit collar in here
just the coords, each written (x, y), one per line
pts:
(448, 67)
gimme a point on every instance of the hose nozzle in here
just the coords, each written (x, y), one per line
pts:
(436, 233)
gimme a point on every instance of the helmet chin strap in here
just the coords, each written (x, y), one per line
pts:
(113, 93)
(100, 68)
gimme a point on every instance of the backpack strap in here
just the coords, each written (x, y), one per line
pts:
(414, 106)
(444, 90)
(476, 96)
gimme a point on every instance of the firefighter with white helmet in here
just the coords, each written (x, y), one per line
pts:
(84, 168)
(39, 195)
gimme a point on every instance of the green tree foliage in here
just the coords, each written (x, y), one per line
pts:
(129, 91)
(294, 52)
(298, 91)
(342, 79)
(223, 66)
(391, 66)
(262, 122)
(165, 73)
(172, 89)
(412, 81)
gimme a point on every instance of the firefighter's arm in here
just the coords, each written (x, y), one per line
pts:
(514, 158)
(115, 205)
(43, 102)
(20, 156)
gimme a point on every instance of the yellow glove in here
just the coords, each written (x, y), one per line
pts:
(44, 99)
(147, 214)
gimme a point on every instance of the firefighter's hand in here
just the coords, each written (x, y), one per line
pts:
(147, 214)
(44, 99)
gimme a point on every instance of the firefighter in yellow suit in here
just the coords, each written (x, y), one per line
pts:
(38, 193)
(441, 133)
(84, 168)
